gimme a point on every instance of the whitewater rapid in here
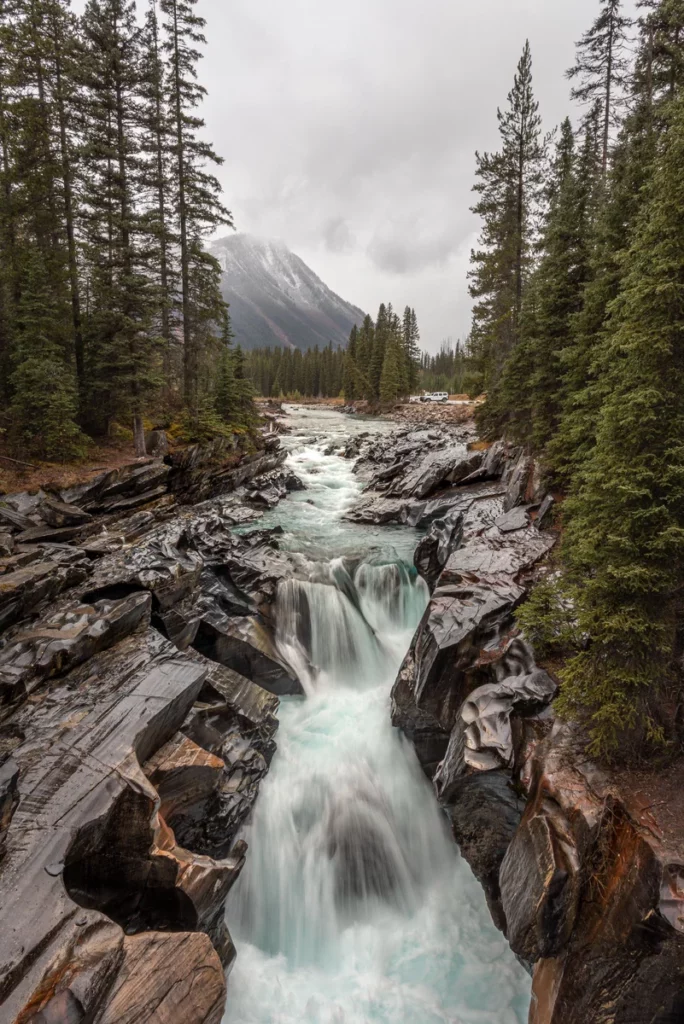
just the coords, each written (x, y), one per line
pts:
(354, 906)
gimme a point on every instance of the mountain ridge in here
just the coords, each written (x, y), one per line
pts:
(277, 299)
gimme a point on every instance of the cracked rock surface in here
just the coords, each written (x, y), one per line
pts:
(129, 760)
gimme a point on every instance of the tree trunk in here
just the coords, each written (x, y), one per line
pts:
(161, 201)
(607, 111)
(520, 225)
(139, 437)
(189, 370)
(69, 213)
(127, 257)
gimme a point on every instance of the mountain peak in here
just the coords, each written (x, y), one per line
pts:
(276, 299)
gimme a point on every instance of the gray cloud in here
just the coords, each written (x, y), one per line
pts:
(349, 127)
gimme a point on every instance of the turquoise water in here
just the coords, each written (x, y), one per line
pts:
(354, 905)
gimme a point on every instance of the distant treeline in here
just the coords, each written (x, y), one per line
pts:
(450, 370)
(380, 363)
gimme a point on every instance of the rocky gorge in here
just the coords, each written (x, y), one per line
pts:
(581, 865)
(155, 618)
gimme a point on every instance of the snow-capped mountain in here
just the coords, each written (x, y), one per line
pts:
(275, 299)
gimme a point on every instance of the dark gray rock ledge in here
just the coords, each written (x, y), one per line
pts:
(136, 725)
(583, 870)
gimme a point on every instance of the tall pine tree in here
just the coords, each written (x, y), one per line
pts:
(602, 68)
(508, 187)
(196, 202)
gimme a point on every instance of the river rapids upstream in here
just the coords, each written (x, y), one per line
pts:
(354, 906)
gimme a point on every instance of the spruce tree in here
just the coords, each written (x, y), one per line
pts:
(156, 145)
(196, 201)
(508, 187)
(392, 383)
(625, 534)
(411, 338)
(587, 361)
(9, 221)
(378, 355)
(58, 28)
(44, 401)
(351, 373)
(36, 333)
(123, 369)
(602, 68)
(364, 357)
(527, 400)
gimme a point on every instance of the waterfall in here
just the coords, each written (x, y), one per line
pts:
(354, 906)
(333, 840)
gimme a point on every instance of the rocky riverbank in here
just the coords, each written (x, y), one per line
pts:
(138, 690)
(139, 681)
(582, 868)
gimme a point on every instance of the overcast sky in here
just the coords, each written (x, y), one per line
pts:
(349, 127)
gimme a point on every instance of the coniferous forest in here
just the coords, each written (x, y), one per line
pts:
(382, 362)
(578, 341)
(110, 306)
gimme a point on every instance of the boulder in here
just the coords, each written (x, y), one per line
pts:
(600, 857)
(482, 738)
(422, 514)
(42, 579)
(244, 645)
(524, 483)
(254, 706)
(59, 513)
(428, 737)
(517, 519)
(62, 639)
(540, 884)
(6, 544)
(433, 470)
(14, 520)
(121, 489)
(157, 444)
(49, 534)
(212, 829)
(9, 797)
(376, 511)
(485, 810)
(545, 514)
(85, 853)
(208, 470)
(462, 633)
(436, 546)
(293, 482)
(494, 463)
(208, 776)
(165, 979)
(495, 555)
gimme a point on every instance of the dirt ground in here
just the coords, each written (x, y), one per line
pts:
(34, 475)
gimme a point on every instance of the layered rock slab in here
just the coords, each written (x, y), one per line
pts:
(87, 853)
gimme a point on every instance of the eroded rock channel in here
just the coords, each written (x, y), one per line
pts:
(196, 752)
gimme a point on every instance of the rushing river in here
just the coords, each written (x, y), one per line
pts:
(354, 906)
